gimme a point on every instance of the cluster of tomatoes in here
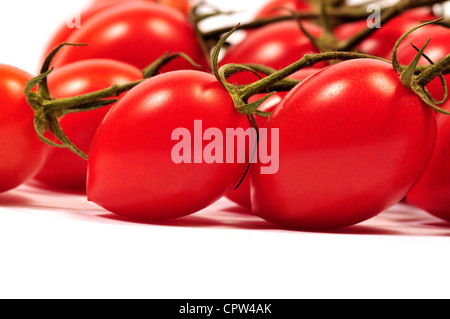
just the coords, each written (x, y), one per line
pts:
(354, 139)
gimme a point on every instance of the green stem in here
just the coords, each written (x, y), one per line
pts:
(431, 72)
(307, 61)
(48, 110)
(70, 102)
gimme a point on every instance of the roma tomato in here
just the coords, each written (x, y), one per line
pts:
(277, 46)
(432, 192)
(63, 170)
(152, 165)
(382, 41)
(353, 141)
(22, 154)
(136, 33)
(241, 195)
(64, 32)
(272, 8)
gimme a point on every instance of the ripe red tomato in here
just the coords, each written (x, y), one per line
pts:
(63, 33)
(22, 154)
(63, 169)
(432, 192)
(382, 41)
(353, 142)
(241, 195)
(272, 7)
(131, 169)
(136, 33)
(277, 46)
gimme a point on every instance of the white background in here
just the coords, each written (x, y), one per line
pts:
(61, 246)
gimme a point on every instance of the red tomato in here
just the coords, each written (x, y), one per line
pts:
(63, 169)
(241, 195)
(132, 171)
(277, 46)
(353, 142)
(272, 7)
(382, 41)
(64, 32)
(136, 33)
(22, 153)
(432, 192)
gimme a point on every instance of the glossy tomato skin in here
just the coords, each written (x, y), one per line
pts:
(22, 154)
(272, 7)
(353, 142)
(64, 32)
(137, 33)
(277, 46)
(63, 170)
(131, 170)
(241, 195)
(432, 192)
(382, 41)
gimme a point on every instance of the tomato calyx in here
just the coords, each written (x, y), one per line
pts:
(417, 83)
(275, 81)
(49, 111)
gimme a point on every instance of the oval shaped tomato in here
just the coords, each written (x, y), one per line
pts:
(382, 41)
(432, 192)
(241, 195)
(277, 46)
(64, 170)
(22, 154)
(353, 141)
(159, 163)
(137, 33)
(63, 33)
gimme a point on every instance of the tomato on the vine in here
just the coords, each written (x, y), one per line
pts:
(432, 192)
(63, 170)
(136, 33)
(276, 45)
(22, 154)
(136, 166)
(353, 142)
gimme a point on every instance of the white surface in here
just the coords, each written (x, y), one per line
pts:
(61, 246)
